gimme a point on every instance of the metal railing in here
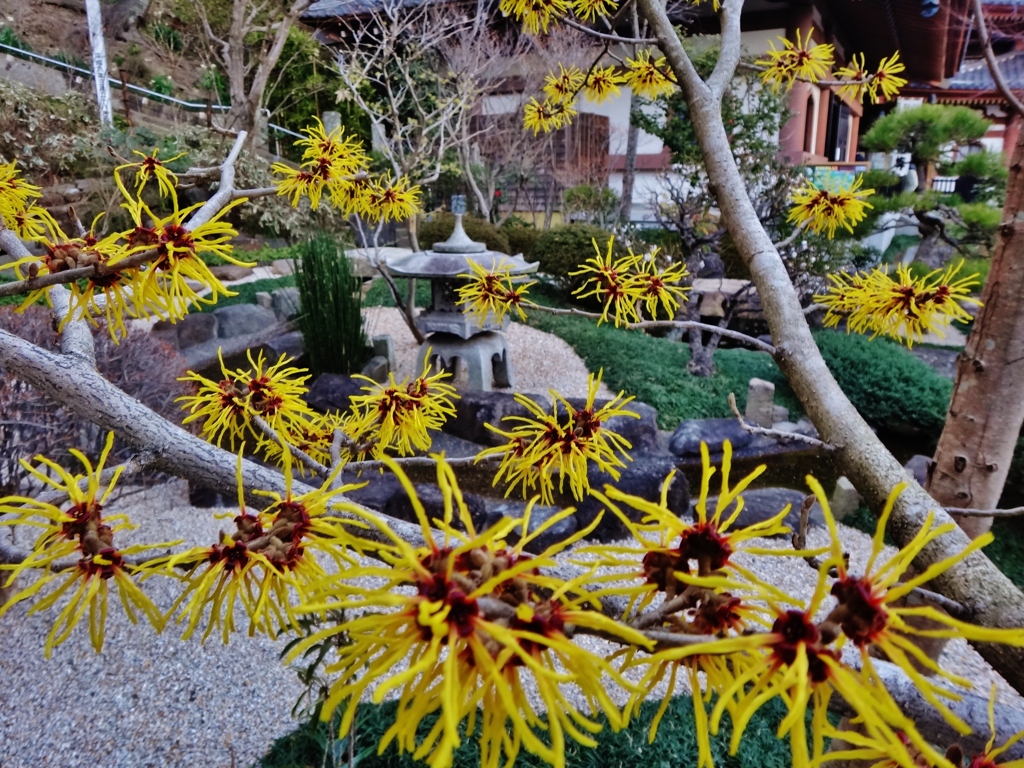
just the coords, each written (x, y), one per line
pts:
(71, 69)
(945, 184)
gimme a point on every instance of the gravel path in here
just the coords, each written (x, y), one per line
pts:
(153, 700)
(540, 360)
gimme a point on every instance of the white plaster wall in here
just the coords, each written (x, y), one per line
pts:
(648, 188)
(616, 109)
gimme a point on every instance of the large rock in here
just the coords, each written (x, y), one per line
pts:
(453, 447)
(242, 320)
(290, 344)
(285, 303)
(196, 328)
(643, 477)
(400, 506)
(539, 515)
(764, 503)
(642, 433)
(918, 468)
(686, 440)
(333, 391)
(376, 491)
(760, 409)
(474, 410)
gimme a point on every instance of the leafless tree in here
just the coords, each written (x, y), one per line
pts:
(248, 64)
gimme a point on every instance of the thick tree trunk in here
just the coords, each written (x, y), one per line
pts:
(861, 455)
(629, 172)
(987, 409)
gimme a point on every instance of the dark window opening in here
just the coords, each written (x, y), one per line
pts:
(809, 118)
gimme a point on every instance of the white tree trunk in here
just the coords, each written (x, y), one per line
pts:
(99, 61)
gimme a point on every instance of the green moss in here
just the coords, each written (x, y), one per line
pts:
(674, 747)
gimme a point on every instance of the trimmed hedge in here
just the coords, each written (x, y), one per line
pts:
(441, 224)
(561, 250)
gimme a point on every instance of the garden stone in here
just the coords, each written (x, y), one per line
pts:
(399, 506)
(642, 477)
(263, 300)
(845, 499)
(333, 392)
(475, 409)
(919, 467)
(762, 504)
(384, 346)
(285, 303)
(196, 328)
(711, 267)
(452, 446)
(642, 433)
(282, 267)
(242, 320)
(779, 413)
(686, 440)
(230, 272)
(166, 332)
(560, 531)
(376, 493)
(376, 369)
(290, 344)
(760, 403)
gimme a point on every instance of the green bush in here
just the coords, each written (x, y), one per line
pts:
(169, 37)
(561, 250)
(9, 37)
(331, 320)
(522, 236)
(162, 84)
(440, 225)
(379, 294)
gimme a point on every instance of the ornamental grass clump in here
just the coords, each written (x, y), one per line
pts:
(331, 319)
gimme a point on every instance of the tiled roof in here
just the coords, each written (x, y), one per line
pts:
(974, 75)
(324, 10)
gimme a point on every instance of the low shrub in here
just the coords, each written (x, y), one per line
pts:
(440, 225)
(379, 294)
(522, 236)
(561, 250)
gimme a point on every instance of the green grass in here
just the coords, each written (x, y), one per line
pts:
(260, 256)
(380, 296)
(246, 292)
(674, 747)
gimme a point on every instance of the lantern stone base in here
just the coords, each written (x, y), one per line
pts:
(485, 356)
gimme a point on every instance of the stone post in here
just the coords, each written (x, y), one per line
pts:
(331, 120)
(760, 403)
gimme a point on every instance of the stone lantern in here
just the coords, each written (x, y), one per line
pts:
(451, 334)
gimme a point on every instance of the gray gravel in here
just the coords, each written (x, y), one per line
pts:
(153, 700)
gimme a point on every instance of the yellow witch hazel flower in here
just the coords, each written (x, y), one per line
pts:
(329, 160)
(563, 441)
(120, 290)
(163, 288)
(649, 78)
(541, 116)
(827, 209)
(259, 565)
(491, 293)
(564, 86)
(536, 15)
(80, 530)
(804, 59)
(387, 200)
(873, 613)
(589, 10)
(623, 283)
(903, 307)
(602, 83)
(152, 167)
(227, 407)
(400, 416)
(479, 621)
(881, 85)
